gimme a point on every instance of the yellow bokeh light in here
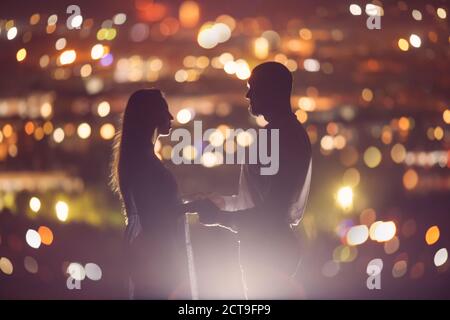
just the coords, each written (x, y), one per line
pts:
(372, 157)
(398, 153)
(307, 103)
(35, 204)
(8, 130)
(67, 57)
(202, 62)
(339, 142)
(381, 231)
(107, 131)
(39, 133)
(62, 210)
(21, 54)
(48, 127)
(327, 143)
(86, 70)
(181, 75)
(432, 235)
(184, 116)
(230, 67)
(58, 135)
(441, 13)
(261, 48)
(103, 108)
(242, 69)
(416, 14)
(225, 57)
(6, 266)
(446, 116)
(302, 116)
(60, 44)
(438, 133)
(46, 110)
(207, 37)
(345, 197)
(97, 51)
(84, 130)
(403, 44)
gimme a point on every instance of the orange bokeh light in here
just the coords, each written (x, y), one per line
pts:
(46, 235)
(432, 235)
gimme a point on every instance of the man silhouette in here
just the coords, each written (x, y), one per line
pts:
(267, 206)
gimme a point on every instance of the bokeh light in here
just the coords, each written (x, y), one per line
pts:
(345, 197)
(35, 204)
(372, 157)
(381, 231)
(440, 257)
(357, 235)
(93, 271)
(21, 54)
(84, 130)
(6, 266)
(33, 238)
(432, 235)
(62, 210)
(46, 235)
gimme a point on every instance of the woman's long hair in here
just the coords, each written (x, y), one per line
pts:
(145, 110)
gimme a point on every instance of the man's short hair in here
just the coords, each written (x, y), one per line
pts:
(274, 76)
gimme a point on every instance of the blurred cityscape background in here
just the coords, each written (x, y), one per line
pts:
(375, 103)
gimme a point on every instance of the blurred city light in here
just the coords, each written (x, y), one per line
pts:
(357, 235)
(62, 210)
(345, 197)
(35, 204)
(432, 235)
(381, 231)
(33, 238)
(440, 257)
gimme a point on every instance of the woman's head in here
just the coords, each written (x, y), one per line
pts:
(146, 116)
(146, 111)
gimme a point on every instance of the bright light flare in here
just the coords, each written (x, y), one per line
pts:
(345, 197)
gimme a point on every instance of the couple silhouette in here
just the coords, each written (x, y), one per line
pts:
(258, 257)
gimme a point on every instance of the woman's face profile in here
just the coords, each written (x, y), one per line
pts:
(166, 122)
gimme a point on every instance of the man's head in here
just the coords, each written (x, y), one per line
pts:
(269, 90)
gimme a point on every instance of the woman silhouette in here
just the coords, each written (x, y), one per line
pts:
(154, 240)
